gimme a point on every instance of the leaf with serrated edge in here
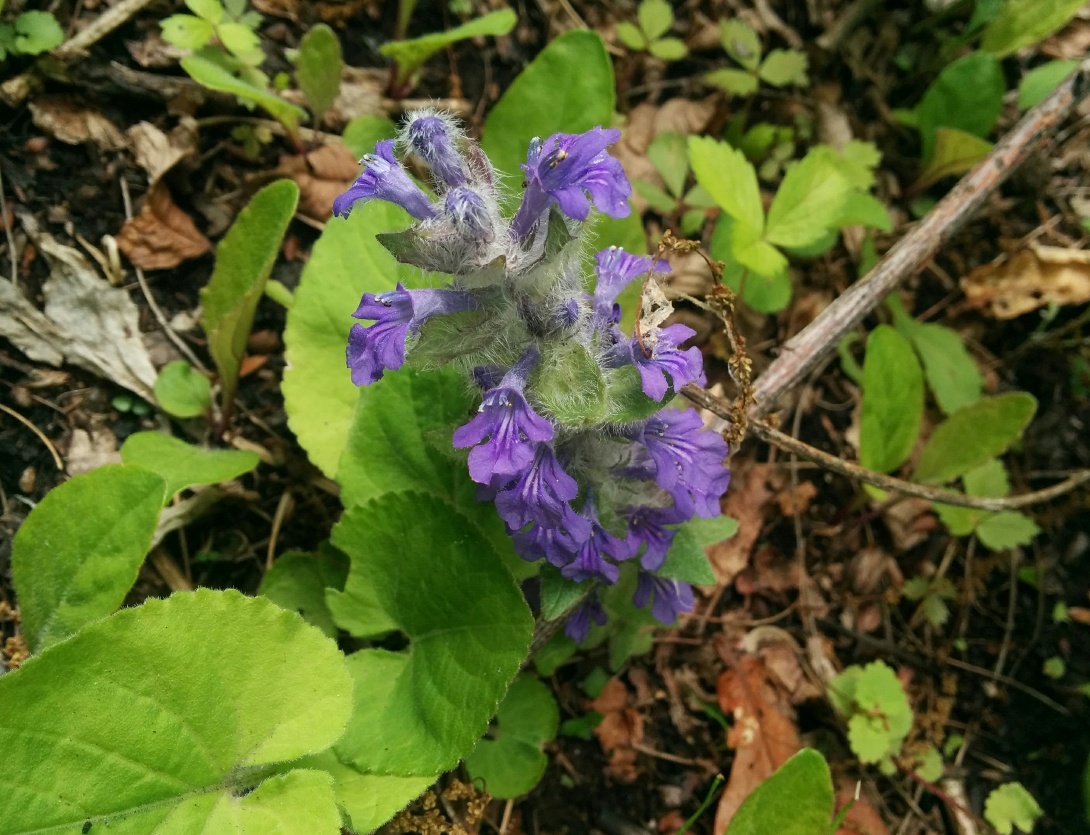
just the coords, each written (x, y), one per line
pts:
(120, 725)
(808, 201)
(420, 567)
(78, 553)
(1009, 806)
(892, 401)
(729, 178)
(183, 465)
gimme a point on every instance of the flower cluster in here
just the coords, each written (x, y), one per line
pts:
(573, 441)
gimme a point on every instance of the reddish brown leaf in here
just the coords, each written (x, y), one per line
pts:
(620, 728)
(162, 236)
(746, 501)
(321, 175)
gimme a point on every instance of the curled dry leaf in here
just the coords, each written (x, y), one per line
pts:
(162, 236)
(321, 175)
(73, 124)
(1033, 278)
(746, 502)
(85, 322)
(621, 726)
(763, 734)
(158, 152)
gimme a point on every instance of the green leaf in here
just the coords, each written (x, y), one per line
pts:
(928, 764)
(77, 554)
(1023, 22)
(37, 32)
(410, 55)
(346, 262)
(735, 82)
(630, 35)
(655, 18)
(558, 594)
(1006, 529)
(861, 209)
(955, 152)
(242, 42)
(420, 567)
(215, 76)
(210, 10)
(298, 582)
(687, 560)
(730, 179)
(967, 95)
(765, 294)
(510, 761)
(369, 800)
(568, 87)
(972, 435)
(318, 69)
(244, 260)
(656, 198)
(122, 724)
(668, 49)
(952, 374)
(181, 391)
(879, 715)
(186, 32)
(364, 132)
(892, 401)
(1038, 83)
(796, 800)
(1011, 806)
(785, 66)
(183, 465)
(808, 201)
(740, 42)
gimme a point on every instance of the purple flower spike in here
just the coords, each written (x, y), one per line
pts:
(590, 561)
(512, 428)
(384, 178)
(541, 494)
(688, 460)
(682, 366)
(565, 168)
(669, 598)
(587, 614)
(469, 214)
(647, 527)
(397, 313)
(616, 269)
(434, 140)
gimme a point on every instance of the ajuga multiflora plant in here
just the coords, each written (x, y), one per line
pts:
(573, 440)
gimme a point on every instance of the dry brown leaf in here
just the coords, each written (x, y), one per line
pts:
(162, 236)
(770, 572)
(1070, 43)
(746, 501)
(153, 53)
(157, 152)
(792, 501)
(322, 175)
(621, 726)
(763, 734)
(862, 818)
(73, 124)
(91, 448)
(1033, 278)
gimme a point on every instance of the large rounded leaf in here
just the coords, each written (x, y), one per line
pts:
(419, 567)
(161, 718)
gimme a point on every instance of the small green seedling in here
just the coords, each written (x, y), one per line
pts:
(654, 18)
(1009, 807)
(876, 707)
(932, 594)
(780, 67)
(31, 33)
(669, 155)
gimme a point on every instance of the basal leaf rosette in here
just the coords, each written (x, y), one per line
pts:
(421, 569)
(180, 715)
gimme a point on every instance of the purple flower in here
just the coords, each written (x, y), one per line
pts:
(469, 214)
(556, 545)
(541, 494)
(616, 269)
(669, 598)
(397, 313)
(665, 359)
(563, 169)
(590, 560)
(512, 428)
(647, 527)
(434, 140)
(384, 178)
(586, 614)
(688, 460)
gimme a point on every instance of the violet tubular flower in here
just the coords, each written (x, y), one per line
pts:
(688, 460)
(384, 178)
(564, 169)
(668, 598)
(397, 314)
(647, 529)
(616, 269)
(434, 139)
(663, 359)
(587, 614)
(469, 214)
(541, 494)
(512, 428)
(590, 561)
